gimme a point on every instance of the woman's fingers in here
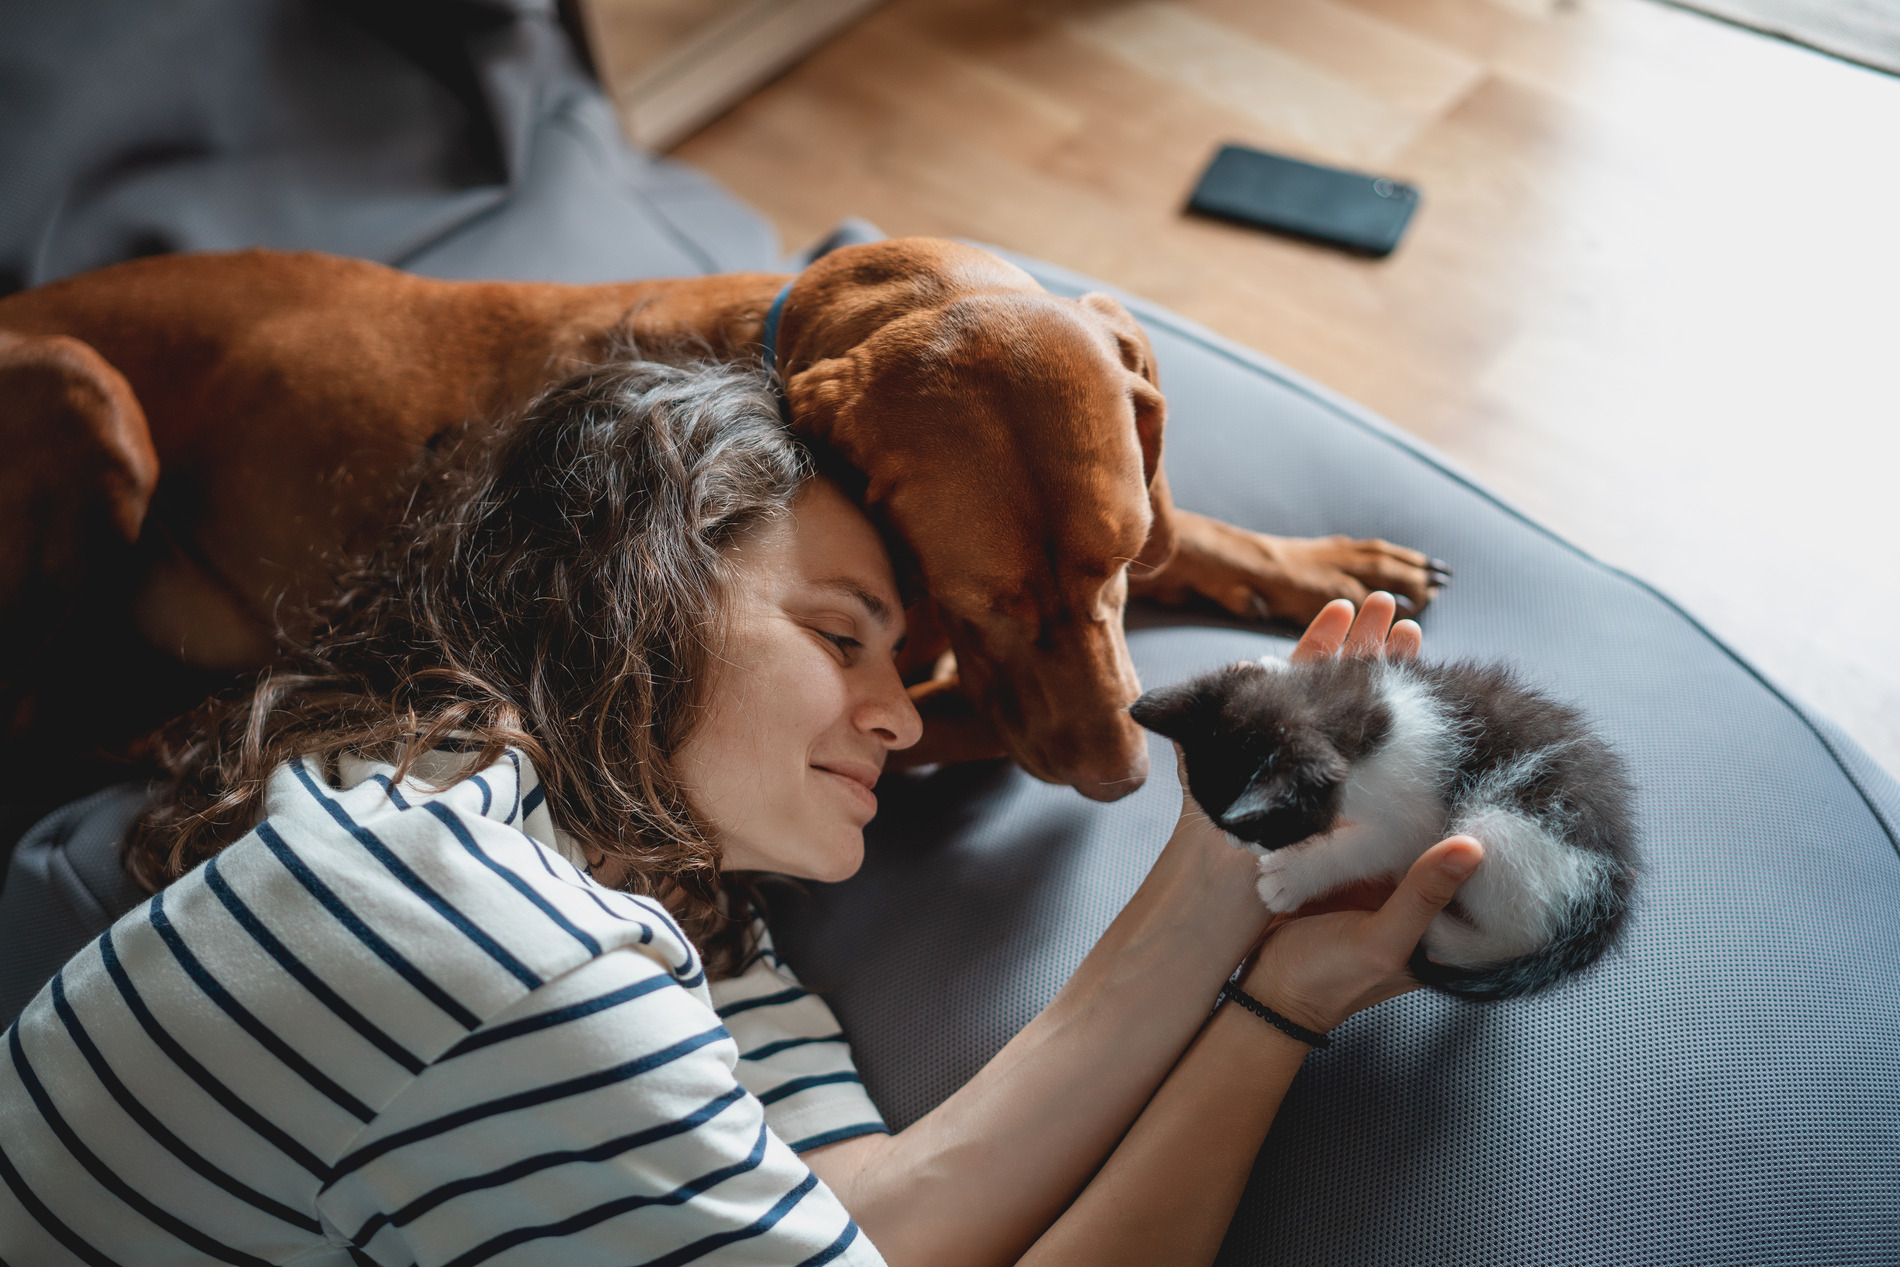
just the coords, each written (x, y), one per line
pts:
(1368, 632)
(1405, 641)
(1431, 883)
(1374, 621)
(1327, 633)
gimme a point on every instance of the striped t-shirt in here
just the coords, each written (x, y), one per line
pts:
(394, 1025)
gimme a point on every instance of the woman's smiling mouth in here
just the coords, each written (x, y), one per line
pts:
(857, 779)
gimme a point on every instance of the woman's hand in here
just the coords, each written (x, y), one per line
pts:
(1350, 949)
(1320, 969)
(1337, 630)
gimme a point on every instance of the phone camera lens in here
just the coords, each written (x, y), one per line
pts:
(1383, 188)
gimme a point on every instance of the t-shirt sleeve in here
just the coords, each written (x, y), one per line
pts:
(793, 1056)
(597, 1121)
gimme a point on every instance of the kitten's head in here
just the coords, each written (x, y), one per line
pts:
(1269, 749)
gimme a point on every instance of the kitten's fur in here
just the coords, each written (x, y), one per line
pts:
(1344, 769)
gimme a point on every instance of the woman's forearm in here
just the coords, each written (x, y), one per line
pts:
(979, 1178)
(1169, 1191)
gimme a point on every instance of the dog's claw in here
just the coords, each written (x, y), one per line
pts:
(1257, 607)
(1406, 606)
(1439, 566)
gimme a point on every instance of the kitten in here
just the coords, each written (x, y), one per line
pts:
(1341, 770)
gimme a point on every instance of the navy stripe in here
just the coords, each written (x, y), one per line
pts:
(559, 1016)
(157, 1130)
(594, 892)
(609, 1209)
(834, 1249)
(362, 931)
(413, 882)
(457, 828)
(514, 759)
(544, 1161)
(765, 1223)
(305, 976)
(764, 1000)
(532, 801)
(689, 974)
(247, 1020)
(528, 1099)
(104, 1174)
(838, 1136)
(198, 1073)
(488, 793)
(770, 1050)
(396, 797)
(48, 1221)
(784, 1089)
(544, 855)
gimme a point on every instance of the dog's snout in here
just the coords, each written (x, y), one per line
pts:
(1103, 762)
(1112, 785)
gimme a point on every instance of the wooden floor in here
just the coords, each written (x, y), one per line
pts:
(1652, 295)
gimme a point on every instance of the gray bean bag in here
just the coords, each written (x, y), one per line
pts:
(1726, 1090)
(456, 138)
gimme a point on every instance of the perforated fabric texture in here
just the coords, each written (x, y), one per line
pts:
(1724, 1090)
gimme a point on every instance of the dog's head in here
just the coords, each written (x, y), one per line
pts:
(1012, 440)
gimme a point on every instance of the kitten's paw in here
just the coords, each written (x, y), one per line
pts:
(1276, 887)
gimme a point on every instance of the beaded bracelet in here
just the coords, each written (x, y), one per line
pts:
(1292, 1029)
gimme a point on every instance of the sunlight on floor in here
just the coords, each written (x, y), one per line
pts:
(1649, 295)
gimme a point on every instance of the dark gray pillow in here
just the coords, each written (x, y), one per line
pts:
(64, 886)
(457, 139)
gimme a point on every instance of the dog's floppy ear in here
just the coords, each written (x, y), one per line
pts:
(1144, 388)
(1151, 419)
(823, 397)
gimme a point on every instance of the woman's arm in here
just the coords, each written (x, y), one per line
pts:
(1169, 1191)
(981, 1176)
(978, 1179)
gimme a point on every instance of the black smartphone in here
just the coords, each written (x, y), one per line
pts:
(1324, 204)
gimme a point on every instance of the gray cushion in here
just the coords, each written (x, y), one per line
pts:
(1723, 1090)
(64, 886)
(456, 138)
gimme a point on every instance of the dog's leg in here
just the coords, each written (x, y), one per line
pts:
(1284, 578)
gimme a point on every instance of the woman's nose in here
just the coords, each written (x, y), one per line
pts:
(888, 713)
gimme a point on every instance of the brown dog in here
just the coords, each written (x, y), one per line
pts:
(192, 441)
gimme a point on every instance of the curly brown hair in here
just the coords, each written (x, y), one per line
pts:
(555, 584)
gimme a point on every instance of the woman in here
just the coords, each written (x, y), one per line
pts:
(452, 964)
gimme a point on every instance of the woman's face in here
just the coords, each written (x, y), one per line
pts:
(804, 700)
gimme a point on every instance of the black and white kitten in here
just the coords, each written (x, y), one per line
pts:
(1341, 770)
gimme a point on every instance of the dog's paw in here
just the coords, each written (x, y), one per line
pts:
(1288, 578)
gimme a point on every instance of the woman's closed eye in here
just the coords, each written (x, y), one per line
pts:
(847, 646)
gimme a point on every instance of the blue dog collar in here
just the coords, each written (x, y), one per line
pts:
(768, 341)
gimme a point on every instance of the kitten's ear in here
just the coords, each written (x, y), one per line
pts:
(1177, 712)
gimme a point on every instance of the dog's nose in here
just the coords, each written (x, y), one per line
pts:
(1110, 781)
